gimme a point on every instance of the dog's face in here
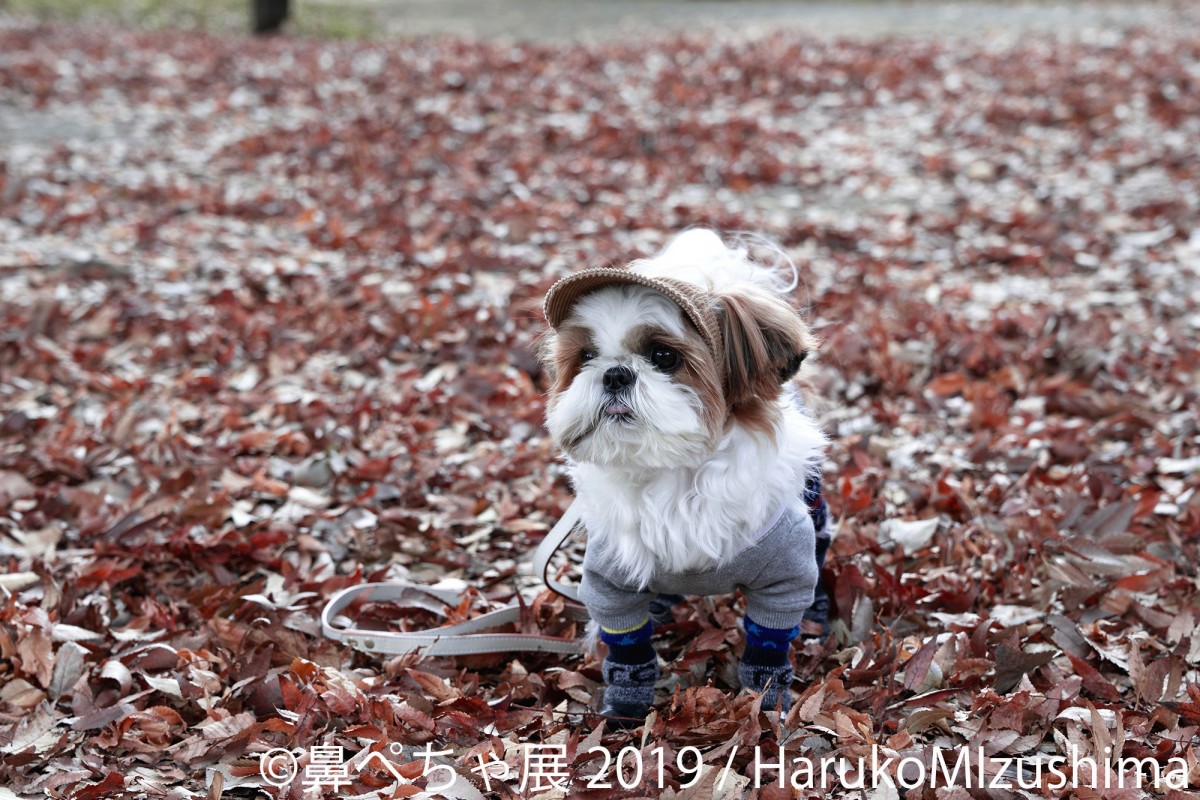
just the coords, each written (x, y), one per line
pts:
(635, 384)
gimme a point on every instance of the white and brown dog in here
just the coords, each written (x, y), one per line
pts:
(689, 452)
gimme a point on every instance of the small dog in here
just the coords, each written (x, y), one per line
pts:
(694, 463)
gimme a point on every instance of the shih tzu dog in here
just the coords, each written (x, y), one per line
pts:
(692, 458)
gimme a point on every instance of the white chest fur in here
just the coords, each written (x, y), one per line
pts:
(692, 518)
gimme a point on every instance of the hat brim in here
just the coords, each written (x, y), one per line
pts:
(564, 294)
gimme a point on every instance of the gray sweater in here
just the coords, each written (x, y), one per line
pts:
(777, 573)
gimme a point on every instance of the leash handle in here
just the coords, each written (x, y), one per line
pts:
(462, 638)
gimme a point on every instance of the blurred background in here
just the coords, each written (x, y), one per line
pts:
(269, 313)
(587, 20)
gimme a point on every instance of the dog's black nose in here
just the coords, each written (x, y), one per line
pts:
(617, 378)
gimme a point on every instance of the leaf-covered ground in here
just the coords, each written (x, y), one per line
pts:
(267, 311)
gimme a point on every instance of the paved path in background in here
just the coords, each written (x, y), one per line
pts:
(592, 20)
(598, 20)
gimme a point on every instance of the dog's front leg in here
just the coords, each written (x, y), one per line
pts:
(630, 668)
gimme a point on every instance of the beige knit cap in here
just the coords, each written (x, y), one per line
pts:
(696, 303)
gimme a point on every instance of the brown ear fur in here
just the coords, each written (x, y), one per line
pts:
(765, 343)
(543, 350)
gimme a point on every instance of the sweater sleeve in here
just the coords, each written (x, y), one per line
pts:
(614, 607)
(783, 589)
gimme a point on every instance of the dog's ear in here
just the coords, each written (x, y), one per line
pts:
(765, 340)
(543, 350)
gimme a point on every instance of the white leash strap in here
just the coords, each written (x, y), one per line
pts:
(549, 546)
(463, 638)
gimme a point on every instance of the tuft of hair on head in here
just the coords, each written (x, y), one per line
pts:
(773, 267)
(702, 257)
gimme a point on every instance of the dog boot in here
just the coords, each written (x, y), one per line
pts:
(628, 692)
(816, 619)
(767, 670)
(766, 665)
(661, 606)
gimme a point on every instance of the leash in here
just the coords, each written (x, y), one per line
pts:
(462, 638)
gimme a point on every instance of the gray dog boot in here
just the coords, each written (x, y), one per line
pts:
(773, 680)
(628, 692)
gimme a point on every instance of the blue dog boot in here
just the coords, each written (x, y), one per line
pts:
(766, 664)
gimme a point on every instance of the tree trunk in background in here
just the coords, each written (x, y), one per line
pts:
(269, 15)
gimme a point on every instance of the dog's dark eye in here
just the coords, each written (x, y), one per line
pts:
(665, 359)
(586, 355)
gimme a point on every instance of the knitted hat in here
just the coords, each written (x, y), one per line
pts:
(696, 303)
